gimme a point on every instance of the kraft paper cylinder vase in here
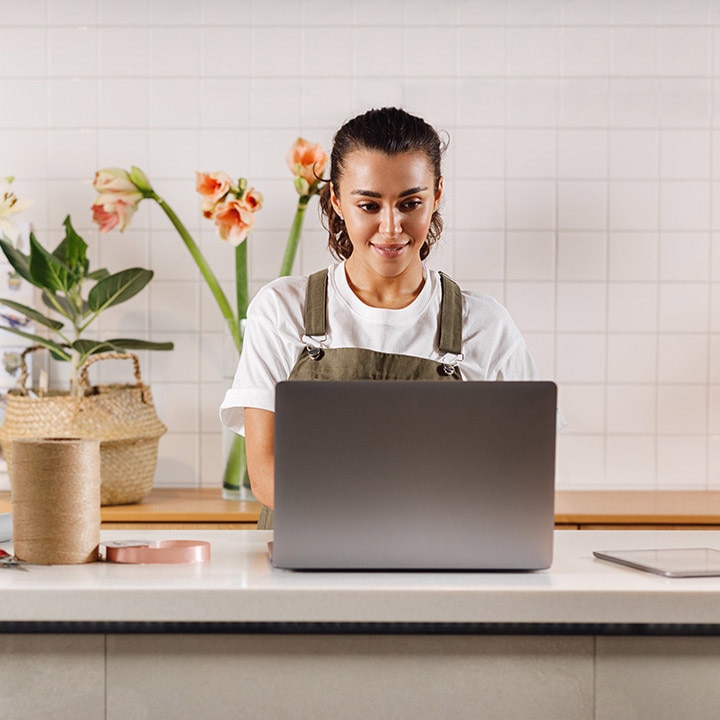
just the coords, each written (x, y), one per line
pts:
(55, 489)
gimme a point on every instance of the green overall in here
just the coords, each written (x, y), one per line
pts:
(319, 363)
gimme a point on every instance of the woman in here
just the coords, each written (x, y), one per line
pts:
(379, 313)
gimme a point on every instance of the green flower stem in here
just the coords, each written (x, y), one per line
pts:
(241, 285)
(205, 269)
(294, 237)
(235, 474)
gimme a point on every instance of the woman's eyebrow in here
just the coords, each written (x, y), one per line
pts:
(373, 194)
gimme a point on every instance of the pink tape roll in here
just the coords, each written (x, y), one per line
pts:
(161, 552)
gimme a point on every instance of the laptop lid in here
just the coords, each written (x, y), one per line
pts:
(414, 475)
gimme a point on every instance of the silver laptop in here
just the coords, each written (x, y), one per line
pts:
(412, 475)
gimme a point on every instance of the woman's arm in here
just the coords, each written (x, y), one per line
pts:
(260, 445)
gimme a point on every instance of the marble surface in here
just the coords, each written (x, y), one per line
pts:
(240, 585)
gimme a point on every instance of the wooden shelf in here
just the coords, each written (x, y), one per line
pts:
(175, 508)
(204, 508)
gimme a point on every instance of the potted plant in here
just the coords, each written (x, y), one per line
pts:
(121, 416)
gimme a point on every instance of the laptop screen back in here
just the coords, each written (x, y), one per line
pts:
(414, 475)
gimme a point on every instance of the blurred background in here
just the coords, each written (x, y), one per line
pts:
(581, 186)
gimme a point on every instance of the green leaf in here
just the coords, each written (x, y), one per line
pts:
(19, 261)
(130, 344)
(100, 274)
(118, 288)
(47, 272)
(72, 252)
(61, 304)
(54, 348)
(32, 314)
(90, 347)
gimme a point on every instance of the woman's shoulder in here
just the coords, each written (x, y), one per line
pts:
(485, 309)
(281, 295)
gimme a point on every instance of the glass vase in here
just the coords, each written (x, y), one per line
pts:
(236, 483)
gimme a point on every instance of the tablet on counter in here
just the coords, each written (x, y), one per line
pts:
(672, 563)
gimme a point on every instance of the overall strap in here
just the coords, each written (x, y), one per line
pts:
(451, 309)
(314, 313)
(315, 302)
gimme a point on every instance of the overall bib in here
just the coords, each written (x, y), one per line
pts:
(320, 363)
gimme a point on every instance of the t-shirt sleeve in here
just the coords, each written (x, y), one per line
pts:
(271, 346)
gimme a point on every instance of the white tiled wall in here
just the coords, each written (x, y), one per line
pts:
(582, 184)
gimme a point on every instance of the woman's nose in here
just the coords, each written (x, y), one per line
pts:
(390, 225)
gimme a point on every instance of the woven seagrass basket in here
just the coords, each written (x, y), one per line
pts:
(122, 417)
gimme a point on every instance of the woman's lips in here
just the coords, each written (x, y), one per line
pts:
(390, 250)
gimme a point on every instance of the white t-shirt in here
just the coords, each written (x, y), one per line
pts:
(492, 348)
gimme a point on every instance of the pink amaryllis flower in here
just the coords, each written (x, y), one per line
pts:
(213, 187)
(307, 162)
(117, 201)
(234, 220)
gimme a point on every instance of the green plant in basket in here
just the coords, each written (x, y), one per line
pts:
(74, 297)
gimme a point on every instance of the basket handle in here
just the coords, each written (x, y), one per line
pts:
(24, 368)
(85, 381)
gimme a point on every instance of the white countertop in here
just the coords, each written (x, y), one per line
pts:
(239, 585)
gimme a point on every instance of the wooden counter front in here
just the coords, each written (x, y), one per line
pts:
(175, 509)
(204, 508)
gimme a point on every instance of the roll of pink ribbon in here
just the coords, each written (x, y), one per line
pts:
(141, 552)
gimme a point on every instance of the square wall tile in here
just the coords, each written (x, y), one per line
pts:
(633, 256)
(532, 51)
(426, 52)
(530, 153)
(175, 51)
(582, 205)
(585, 51)
(584, 102)
(479, 255)
(632, 358)
(580, 462)
(685, 51)
(685, 154)
(631, 409)
(684, 206)
(481, 101)
(479, 205)
(686, 102)
(582, 154)
(685, 257)
(632, 307)
(583, 407)
(634, 51)
(478, 152)
(530, 204)
(682, 463)
(631, 462)
(634, 154)
(23, 51)
(115, 61)
(635, 102)
(581, 358)
(634, 206)
(683, 358)
(682, 409)
(531, 304)
(582, 256)
(276, 51)
(582, 307)
(684, 307)
(481, 51)
(532, 102)
(530, 256)
(72, 51)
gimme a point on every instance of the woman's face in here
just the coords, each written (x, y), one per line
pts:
(387, 202)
